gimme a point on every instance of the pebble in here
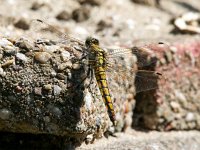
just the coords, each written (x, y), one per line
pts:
(63, 66)
(38, 90)
(65, 55)
(175, 106)
(106, 23)
(57, 89)
(88, 100)
(22, 57)
(53, 73)
(76, 66)
(37, 5)
(55, 110)
(47, 119)
(52, 48)
(22, 24)
(24, 44)
(5, 114)
(91, 2)
(8, 63)
(2, 73)
(4, 42)
(61, 76)
(47, 87)
(168, 56)
(64, 15)
(180, 96)
(189, 117)
(42, 57)
(10, 50)
(81, 14)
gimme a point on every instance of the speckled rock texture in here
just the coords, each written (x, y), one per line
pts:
(46, 89)
(176, 104)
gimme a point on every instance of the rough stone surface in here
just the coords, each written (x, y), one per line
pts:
(175, 105)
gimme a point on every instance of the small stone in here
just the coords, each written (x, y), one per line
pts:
(76, 66)
(54, 110)
(189, 117)
(22, 57)
(24, 44)
(4, 42)
(104, 24)
(47, 87)
(8, 63)
(61, 76)
(37, 5)
(63, 66)
(89, 139)
(175, 106)
(2, 73)
(53, 73)
(47, 119)
(10, 50)
(168, 56)
(57, 90)
(38, 90)
(51, 49)
(65, 55)
(22, 24)
(91, 2)
(180, 96)
(42, 57)
(5, 114)
(63, 15)
(81, 14)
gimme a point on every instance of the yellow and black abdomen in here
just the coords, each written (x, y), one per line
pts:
(100, 75)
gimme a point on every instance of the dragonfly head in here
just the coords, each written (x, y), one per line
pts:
(91, 42)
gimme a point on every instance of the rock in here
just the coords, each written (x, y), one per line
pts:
(65, 55)
(81, 14)
(5, 114)
(2, 73)
(91, 2)
(37, 5)
(21, 57)
(63, 15)
(4, 42)
(42, 57)
(22, 24)
(57, 89)
(24, 44)
(189, 117)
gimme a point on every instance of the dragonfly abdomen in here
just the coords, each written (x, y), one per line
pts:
(100, 75)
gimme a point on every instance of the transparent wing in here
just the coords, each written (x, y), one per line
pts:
(40, 29)
(146, 55)
(125, 64)
(147, 80)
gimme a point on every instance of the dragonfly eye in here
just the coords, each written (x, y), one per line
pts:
(95, 41)
(89, 41)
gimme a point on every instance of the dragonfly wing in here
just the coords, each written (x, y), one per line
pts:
(41, 29)
(147, 80)
(123, 67)
(146, 55)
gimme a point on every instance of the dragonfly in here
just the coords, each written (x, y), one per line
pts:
(104, 62)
